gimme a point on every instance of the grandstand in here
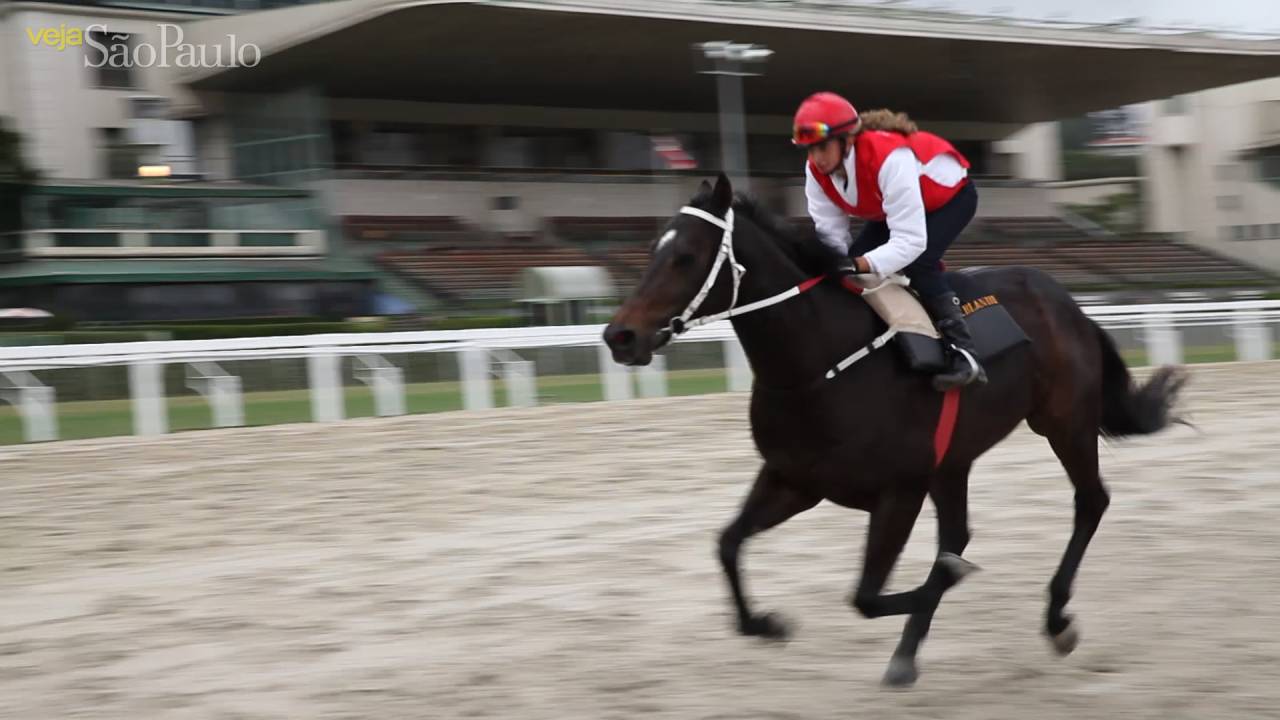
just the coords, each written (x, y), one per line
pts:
(526, 145)
(1107, 262)
(621, 244)
(460, 273)
(458, 263)
(110, 251)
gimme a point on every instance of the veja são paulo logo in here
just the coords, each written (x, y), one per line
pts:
(118, 52)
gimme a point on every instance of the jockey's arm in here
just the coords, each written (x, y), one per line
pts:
(904, 213)
(830, 221)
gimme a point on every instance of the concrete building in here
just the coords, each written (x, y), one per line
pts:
(1212, 170)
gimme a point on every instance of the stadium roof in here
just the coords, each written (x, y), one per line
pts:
(636, 54)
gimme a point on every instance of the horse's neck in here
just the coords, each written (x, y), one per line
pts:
(793, 343)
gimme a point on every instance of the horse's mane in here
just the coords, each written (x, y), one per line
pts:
(800, 243)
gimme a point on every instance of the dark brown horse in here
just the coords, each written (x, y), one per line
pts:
(865, 438)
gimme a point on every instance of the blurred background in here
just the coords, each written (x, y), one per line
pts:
(222, 213)
(202, 169)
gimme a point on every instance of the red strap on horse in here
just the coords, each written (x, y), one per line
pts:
(848, 282)
(946, 425)
(808, 284)
(950, 399)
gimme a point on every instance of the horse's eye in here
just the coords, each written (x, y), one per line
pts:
(683, 260)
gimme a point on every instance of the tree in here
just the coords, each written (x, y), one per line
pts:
(13, 166)
(16, 176)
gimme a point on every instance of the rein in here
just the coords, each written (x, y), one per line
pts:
(685, 320)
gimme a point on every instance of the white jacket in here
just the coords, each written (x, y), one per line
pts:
(899, 181)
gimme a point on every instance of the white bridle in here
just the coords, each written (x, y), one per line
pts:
(682, 322)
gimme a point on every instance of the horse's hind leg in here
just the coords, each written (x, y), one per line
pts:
(950, 493)
(1078, 451)
(891, 524)
(769, 503)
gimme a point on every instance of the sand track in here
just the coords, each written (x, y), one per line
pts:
(558, 563)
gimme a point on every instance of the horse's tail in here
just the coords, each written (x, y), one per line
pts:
(1131, 409)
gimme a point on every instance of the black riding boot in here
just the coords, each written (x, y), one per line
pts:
(962, 359)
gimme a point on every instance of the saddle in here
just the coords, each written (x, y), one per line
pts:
(994, 330)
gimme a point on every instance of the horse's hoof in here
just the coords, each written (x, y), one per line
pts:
(1067, 640)
(957, 566)
(770, 626)
(902, 673)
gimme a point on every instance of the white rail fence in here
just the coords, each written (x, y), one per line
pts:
(484, 355)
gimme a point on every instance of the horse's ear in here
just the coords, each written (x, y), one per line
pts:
(704, 188)
(722, 195)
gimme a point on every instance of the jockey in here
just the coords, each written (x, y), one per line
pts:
(912, 189)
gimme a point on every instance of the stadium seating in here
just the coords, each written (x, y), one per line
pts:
(1022, 229)
(620, 244)
(457, 262)
(608, 230)
(484, 271)
(407, 229)
(1155, 262)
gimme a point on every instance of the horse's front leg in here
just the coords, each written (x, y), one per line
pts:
(769, 503)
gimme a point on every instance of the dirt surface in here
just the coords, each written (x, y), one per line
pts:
(558, 563)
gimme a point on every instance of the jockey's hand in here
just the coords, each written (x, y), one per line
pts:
(846, 265)
(842, 265)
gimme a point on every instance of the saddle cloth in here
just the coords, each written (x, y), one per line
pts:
(994, 330)
(897, 306)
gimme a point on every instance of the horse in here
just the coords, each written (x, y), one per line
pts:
(864, 437)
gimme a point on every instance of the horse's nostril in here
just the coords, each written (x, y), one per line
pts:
(618, 336)
(623, 339)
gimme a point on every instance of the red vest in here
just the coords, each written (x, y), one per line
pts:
(870, 148)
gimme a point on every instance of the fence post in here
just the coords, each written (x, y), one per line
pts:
(615, 378)
(653, 377)
(221, 389)
(518, 375)
(473, 370)
(385, 380)
(35, 403)
(1164, 342)
(1253, 337)
(146, 385)
(324, 371)
(735, 362)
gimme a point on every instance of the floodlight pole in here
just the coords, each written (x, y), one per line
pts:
(728, 59)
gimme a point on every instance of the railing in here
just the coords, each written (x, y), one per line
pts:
(483, 355)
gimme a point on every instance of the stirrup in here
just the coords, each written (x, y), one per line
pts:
(948, 380)
(975, 369)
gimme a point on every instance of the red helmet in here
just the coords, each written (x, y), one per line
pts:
(823, 115)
